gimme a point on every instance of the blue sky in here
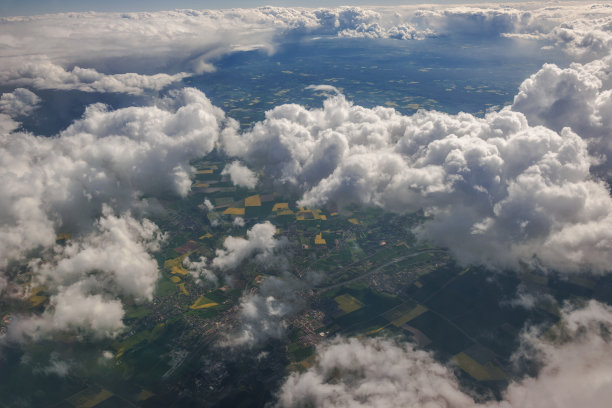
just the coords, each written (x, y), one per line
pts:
(32, 7)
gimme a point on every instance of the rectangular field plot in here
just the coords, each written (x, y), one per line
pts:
(480, 372)
(252, 201)
(445, 337)
(404, 313)
(90, 397)
(366, 317)
(348, 303)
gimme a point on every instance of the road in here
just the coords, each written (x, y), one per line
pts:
(370, 272)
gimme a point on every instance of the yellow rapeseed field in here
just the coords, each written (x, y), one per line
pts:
(203, 303)
(252, 201)
(234, 211)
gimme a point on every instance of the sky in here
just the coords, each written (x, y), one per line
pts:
(34, 7)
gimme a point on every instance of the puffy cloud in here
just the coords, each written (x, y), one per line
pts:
(373, 373)
(381, 373)
(501, 192)
(86, 275)
(586, 36)
(117, 255)
(259, 243)
(199, 271)
(20, 102)
(263, 314)
(238, 222)
(110, 157)
(240, 175)
(557, 98)
(7, 124)
(579, 28)
(103, 164)
(43, 74)
(575, 364)
(75, 310)
(206, 205)
(577, 97)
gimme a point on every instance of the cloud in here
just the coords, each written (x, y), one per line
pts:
(74, 310)
(199, 271)
(112, 157)
(206, 205)
(124, 52)
(20, 102)
(116, 254)
(74, 183)
(501, 192)
(238, 222)
(381, 372)
(85, 277)
(585, 36)
(530, 297)
(240, 175)
(373, 373)
(7, 124)
(134, 52)
(575, 363)
(263, 314)
(43, 74)
(259, 244)
(56, 366)
(577, 97)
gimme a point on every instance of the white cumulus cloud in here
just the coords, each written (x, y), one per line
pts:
(20, 102)
(101, 165)
(240, 175)
(259, 244)
(199, 271)
(501, 192)
(85, 276)
(112, 157)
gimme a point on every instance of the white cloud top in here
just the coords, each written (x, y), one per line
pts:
(501, 192)
(240, 175)
(259, 244)
(114, 157)
(20, 102)
(75, 182)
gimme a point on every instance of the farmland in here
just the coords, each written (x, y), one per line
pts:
(374, 279)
